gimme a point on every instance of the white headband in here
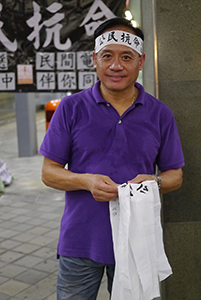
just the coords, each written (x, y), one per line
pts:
(119, 37)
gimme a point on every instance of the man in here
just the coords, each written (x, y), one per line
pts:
(109, 134)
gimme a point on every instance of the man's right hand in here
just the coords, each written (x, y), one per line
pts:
(102, 187)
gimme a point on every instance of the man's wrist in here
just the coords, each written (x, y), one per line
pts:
(158, 181)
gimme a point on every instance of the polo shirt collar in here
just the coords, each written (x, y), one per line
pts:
(99, 99)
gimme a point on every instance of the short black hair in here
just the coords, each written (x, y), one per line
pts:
(115, 22)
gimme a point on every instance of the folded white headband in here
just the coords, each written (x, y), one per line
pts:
(119, 37)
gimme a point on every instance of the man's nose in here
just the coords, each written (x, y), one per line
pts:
(116, 65)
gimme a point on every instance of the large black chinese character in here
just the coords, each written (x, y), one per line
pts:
(52, 25)
(142, 188)
(111, 36)
(11, 46)
(136, 42)
(126, 38)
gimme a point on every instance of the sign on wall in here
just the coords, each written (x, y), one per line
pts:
(46, 45)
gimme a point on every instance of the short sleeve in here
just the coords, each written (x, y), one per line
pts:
(170, 152)
(56, 144)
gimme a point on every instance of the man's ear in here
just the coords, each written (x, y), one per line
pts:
(142, 60)
(94, 59)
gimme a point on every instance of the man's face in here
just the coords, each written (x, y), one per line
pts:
(118, 66)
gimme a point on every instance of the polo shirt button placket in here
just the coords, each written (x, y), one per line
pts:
(119, 121)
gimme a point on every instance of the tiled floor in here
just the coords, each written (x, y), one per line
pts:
(30, 216)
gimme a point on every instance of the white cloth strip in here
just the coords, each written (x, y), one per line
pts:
(140, 257)
(119, 37)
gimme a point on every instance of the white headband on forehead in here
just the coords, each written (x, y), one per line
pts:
(119, 37)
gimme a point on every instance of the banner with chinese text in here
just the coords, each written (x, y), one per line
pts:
(46, 45)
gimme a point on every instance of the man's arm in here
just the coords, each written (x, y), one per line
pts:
(171, 180)
(56, 176)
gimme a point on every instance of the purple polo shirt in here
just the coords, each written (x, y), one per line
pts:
(88, 134)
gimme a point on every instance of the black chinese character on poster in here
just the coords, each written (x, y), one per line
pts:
(52, 27)
(96, 14)
(3, 61)
(66, 61)
(45, 61)
(45, 81)
(11, 46)
(85, 60)
(87, 79)
(7, 81)
(67, 81)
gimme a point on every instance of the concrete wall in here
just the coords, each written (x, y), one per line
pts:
(179, 50)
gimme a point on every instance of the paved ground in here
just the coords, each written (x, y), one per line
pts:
(30, 216)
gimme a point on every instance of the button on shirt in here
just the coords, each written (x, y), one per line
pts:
(87, 134)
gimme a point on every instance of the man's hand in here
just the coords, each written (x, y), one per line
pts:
(102, 187)
(56, 176)
(171, 180)
(142, 177)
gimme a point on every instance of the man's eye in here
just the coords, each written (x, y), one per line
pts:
(106, 55)
(126, 57)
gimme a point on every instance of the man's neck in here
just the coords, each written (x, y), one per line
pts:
(120, 100)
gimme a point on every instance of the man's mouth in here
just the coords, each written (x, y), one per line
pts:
(116, 78)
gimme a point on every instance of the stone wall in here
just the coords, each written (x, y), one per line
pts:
(179, 50)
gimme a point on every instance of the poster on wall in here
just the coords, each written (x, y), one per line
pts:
(47, 45)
